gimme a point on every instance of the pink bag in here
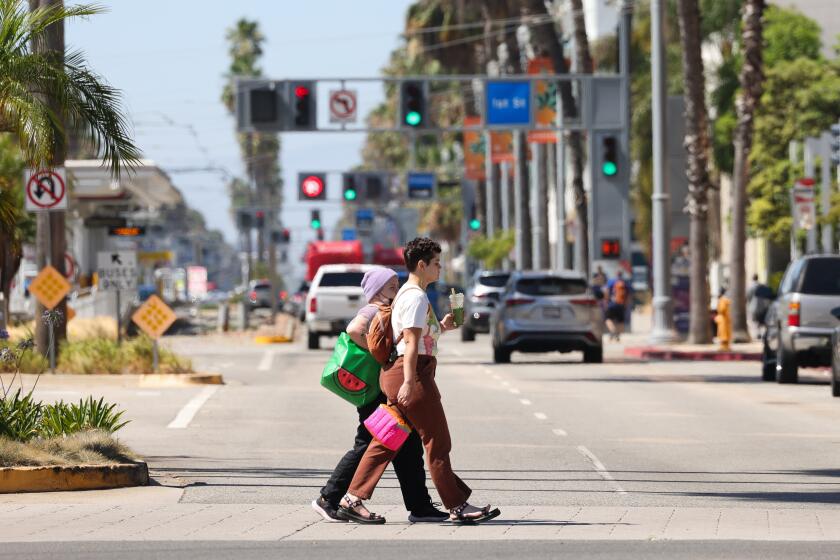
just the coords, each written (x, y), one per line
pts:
(388, 427)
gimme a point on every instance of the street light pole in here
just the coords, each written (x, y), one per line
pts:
(663, 317)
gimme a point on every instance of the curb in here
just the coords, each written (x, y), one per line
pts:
(70, 478)
(658, 353)
(179, 379)
(271, 339)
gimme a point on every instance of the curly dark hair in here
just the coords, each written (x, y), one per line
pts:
(420, 249)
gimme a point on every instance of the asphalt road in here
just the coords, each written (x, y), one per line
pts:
(629, 459)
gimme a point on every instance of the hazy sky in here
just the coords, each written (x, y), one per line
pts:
(169, 58)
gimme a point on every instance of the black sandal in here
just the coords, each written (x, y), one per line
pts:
(349, 513)
(471, 519)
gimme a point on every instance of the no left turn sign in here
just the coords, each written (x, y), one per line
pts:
(45, 189)
(343, 106)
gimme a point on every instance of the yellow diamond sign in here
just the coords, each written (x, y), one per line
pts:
(50, 287)
(154, 317)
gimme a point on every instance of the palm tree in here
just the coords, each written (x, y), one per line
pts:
(546, 37)
(699, 183)
(42, 89)
(30, 80)
(260, 151)
(751, 81)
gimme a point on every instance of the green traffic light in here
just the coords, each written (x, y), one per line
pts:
(475, 223)
(349, 194)
(413, 118)
(315, 224)
(609, 168)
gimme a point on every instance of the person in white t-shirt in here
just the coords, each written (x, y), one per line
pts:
(409, 383)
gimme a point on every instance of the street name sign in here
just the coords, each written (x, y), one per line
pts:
(117, 270)
(46, 189)
(364, 219)
(49, 287)
(154, 317)
(343, 106)
(421, 186)
(508, 103)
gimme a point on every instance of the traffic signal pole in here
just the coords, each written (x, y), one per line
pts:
(663, 316)
(489, 186)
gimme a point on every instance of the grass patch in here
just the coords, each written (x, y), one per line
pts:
(84, 448)
(105, 356)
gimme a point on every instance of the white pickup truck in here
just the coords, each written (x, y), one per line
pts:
(334, 298)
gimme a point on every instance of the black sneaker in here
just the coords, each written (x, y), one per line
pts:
(428, 514)
(326, 510)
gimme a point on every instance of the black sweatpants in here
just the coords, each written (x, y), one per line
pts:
(408, 464)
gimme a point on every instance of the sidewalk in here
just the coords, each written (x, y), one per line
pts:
(32, 520)
(637, 345)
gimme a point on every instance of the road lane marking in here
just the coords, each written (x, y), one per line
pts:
(559, 432)
(267, 359)
(600, 468)
(526, 402)
(540, 416)
(456, 352)
(506, 383)
(186, 414)
(514, 390)
(497, 377)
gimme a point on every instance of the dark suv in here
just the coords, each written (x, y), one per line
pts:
(481, 300)
(799, 323)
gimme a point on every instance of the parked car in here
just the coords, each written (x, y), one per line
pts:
(835, 355)
(334, 297)
(480, 301)
(799, 323)
(547, 312)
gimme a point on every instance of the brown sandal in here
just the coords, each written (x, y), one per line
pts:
(349, 513)
(485, 514)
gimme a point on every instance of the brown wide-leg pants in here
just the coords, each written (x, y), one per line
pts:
(425, 414)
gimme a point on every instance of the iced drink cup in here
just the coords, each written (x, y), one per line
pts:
(456, 302)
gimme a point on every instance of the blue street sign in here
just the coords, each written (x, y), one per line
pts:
(348, 234)
(421, 185)
(364, 218)
(508, 103)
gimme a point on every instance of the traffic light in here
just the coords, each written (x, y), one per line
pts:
(835, 144)
(287, 235)
(263, 105)
(373, 187)
(303, 105)
(315, 219)
(474, 223)
(350, 187)
(259, 219)
(609, 159)
(281, 236)
(260, 106)
(610, 248)
(243, 219)
(413, 104)
(312, 186)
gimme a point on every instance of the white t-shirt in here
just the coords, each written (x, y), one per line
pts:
(412, 310)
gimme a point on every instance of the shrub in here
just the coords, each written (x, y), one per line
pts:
(20, 417)
(69, 418)
(92, 355)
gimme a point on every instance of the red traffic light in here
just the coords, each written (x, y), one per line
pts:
(301, 91)
(610, 248)
(312, 186)
(260, 214)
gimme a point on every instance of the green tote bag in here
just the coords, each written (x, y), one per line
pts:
(352, 373)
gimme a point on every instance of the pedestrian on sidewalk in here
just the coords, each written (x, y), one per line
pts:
(380, 286)
(409, 384)
(723, 318)
(617, 290)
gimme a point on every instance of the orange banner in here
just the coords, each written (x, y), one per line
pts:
(545, 113)
(501, 146)
(473, 150)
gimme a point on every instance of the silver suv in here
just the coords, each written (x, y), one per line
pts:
(481, 300)
(547, 312)
(799, 323)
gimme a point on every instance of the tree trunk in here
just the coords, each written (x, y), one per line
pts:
(751, 80)
(546, 37)
(583, 55)
(524, 204)
(697, 172)
(50, 236)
